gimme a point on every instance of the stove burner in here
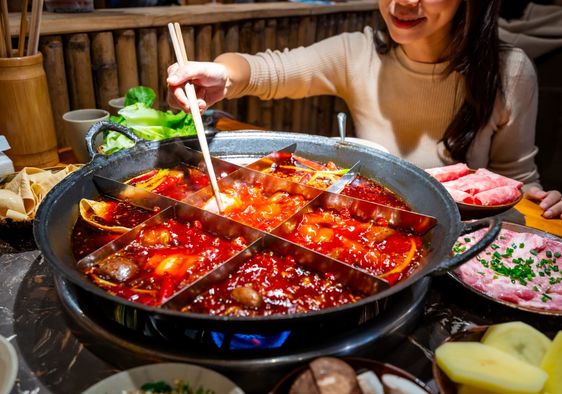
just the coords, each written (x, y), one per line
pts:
(254, 369)
(250, 341)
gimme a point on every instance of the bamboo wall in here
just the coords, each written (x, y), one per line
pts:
(92, 60)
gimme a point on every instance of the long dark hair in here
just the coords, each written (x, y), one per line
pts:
(475, 55)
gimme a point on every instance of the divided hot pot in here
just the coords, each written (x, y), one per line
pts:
(103, 176)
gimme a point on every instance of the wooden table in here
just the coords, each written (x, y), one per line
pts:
(533, 217)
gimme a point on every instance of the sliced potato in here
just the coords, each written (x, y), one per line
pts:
(488, 368)
(552, 364)
(518, 339)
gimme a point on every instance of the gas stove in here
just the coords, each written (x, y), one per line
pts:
(255, 361)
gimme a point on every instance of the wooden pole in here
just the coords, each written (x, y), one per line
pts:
(105, 69)
(165, 60)
(257, 44)
(231, 42)
(269, 43)
(216, 49)
(79, 71)
(203, 38)
(126, 56)
(147, 53)
(188, 34)
(53, 62)
(282, 43)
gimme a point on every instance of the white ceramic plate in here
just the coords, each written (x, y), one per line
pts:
(8, 365)
(361, 141)
(132, 379)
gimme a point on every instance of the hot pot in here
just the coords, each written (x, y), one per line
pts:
(59, 211)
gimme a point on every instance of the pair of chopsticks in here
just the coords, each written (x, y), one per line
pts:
(181, 56)
(5, 37)
(36, 13)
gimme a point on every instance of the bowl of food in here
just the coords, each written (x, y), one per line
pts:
(166, 378)
(8, 365)
(509, 357)
(349, 375)
(480, 192)
(521, 269)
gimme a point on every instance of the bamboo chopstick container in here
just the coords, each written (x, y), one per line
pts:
(26, 118)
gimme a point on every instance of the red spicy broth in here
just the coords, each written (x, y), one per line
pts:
(177, 183)
(85, 238)
(162, 259)
(371, 245)
(367, 189)
(269, 284)
(251, 205)
(304, 171)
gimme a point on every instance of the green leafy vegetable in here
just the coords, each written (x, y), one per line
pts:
(146, 122)
(140, 94)
(180, 387)
(157, 387)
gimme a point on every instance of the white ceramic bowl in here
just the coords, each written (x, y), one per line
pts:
(8, 365)
(133, 379)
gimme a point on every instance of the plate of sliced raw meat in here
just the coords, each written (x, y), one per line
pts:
(521, 268)
(478, 192)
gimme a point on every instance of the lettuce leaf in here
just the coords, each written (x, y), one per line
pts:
(147, 123)
(140, 94)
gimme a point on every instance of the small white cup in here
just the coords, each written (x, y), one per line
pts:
(78, 123)
(116, 104)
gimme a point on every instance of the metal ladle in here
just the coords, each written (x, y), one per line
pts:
(342, 117)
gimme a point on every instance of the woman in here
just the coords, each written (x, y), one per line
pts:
(442, 91)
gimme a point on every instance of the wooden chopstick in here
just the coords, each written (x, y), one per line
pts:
(36, 12)
(6, 28)
(181, 56)
(23, 28)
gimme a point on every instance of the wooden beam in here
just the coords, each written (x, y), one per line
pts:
(153, 17)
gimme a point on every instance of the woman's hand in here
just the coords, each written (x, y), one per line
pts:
(550, 202)
(210, 81)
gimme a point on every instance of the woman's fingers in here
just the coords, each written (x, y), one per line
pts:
(552, 204)
(534, 193)
(178, 99)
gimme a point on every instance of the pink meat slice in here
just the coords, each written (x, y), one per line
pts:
(497, 196)
(473, 183)
(460, 196)
(503, 180)
(526, 246)
(448, 173)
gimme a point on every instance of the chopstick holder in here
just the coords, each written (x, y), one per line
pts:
(181, 56)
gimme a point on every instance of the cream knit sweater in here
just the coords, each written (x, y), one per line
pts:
(405, 105)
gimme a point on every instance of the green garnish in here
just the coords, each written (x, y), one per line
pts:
(545, 297)
(157, 387)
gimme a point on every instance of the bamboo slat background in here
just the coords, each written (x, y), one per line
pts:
(97, 60)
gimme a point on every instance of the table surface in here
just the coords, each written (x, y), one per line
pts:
(53, 360)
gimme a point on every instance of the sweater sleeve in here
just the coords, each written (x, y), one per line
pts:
(320, 69)
(512, 147)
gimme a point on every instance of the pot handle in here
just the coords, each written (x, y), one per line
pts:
(102, 126)
(494, 226)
